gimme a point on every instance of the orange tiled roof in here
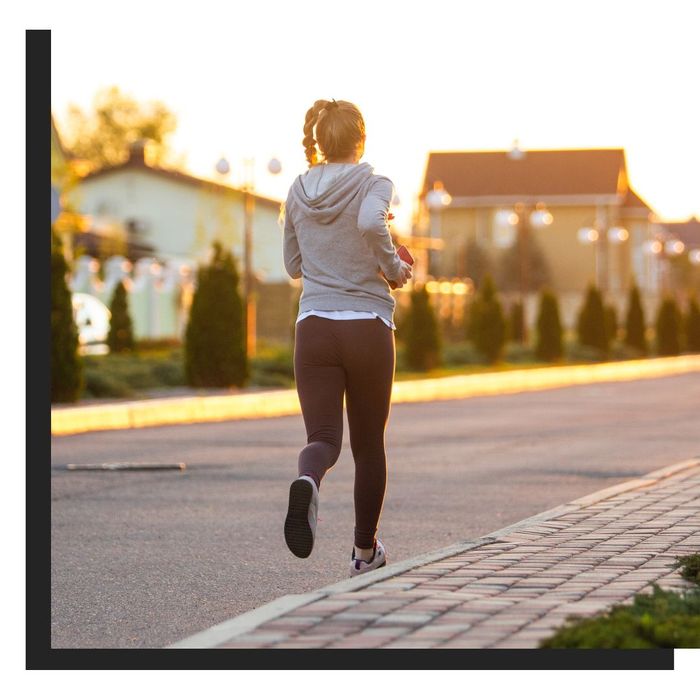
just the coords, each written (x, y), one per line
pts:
(494, 173)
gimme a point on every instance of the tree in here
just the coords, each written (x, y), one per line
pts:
(102, 137)
(215, 348)
(477, 262)
(121, 336)
(549, 331)
(611, 323)
(692, 326)
(421, 333)
(487, 323)
(516, 323)
(591, 322)
(509, 266)
(668, 328)
(66, 364)
(635, 325)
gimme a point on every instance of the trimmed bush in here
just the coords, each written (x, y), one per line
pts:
(121, 335)
(421, 333)
(66, 365)
(487, 324)
(215, 349)
(692, 326)
(549, 331)
(668, 328)
(516, 323)
(635, 326)
(591, 322)
(611, 323)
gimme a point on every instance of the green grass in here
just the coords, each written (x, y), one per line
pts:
(662, 619)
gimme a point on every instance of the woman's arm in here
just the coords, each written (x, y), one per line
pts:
(292, 254)
(371, 221)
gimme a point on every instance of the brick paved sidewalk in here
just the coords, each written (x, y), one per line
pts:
(507, 590)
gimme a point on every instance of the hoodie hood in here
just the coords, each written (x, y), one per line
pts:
(324, 191)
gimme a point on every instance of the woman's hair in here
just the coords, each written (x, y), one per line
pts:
(340, 129)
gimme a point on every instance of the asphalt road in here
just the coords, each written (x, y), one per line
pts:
(145, 559)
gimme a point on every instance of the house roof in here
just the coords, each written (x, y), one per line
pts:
(136, 161)
(634, 201)
(687, 231)
(536, 173)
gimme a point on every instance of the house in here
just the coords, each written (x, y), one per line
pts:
(174, 217)
(597, 224)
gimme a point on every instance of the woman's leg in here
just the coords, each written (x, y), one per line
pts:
(370, 356)
(320, 381)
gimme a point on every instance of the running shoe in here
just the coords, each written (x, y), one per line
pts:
(360, 566)
(300, 525)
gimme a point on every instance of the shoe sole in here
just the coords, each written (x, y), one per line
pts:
(297, 531)
(366, 571)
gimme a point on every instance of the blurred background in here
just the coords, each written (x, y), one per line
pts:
(544, 156)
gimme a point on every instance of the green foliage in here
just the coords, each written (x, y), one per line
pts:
(611, 323)
(121, 335)
(421, 334)
(477, 262)
(591, 326)
(215, 350)
(692, 326)
(690, 567)
(487, 323)
(66, 364)
(516, 323)
(663, 619)
(635, 325)
(668, 328)
(538, 272)
(102, 137)
(549, 331)
(456, 354)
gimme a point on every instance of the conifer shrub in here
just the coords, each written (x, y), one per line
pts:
(591, 326)
(549, 330)
(516, 323)
(487, 323)
(611, 325)
(66, 364)
(635, 325)
(215, 347)
(423, 344)
(692, 326)
(668, 328)
(121, 334)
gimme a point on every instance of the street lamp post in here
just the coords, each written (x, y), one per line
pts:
(594, 235)
(522, 219)
(249, 291)
(664, 249)
(436, 200)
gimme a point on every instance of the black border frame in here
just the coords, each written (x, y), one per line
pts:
(39, 654)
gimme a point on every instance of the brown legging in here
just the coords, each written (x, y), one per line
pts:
(357, 358)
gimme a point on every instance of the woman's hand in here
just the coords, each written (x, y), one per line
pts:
(404, 275)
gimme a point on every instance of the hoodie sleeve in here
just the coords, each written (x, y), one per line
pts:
(372, 223)
(291, 252)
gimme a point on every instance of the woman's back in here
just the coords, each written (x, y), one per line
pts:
(336, 238)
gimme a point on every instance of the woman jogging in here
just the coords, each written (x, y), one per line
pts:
(337, 240)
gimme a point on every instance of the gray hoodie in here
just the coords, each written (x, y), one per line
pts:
(337, 240)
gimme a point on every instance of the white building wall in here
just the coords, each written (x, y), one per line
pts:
(182, 220)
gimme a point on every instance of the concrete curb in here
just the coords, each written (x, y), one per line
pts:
(285, 402)
(245, 622)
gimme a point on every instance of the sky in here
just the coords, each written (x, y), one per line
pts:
(426, 76)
